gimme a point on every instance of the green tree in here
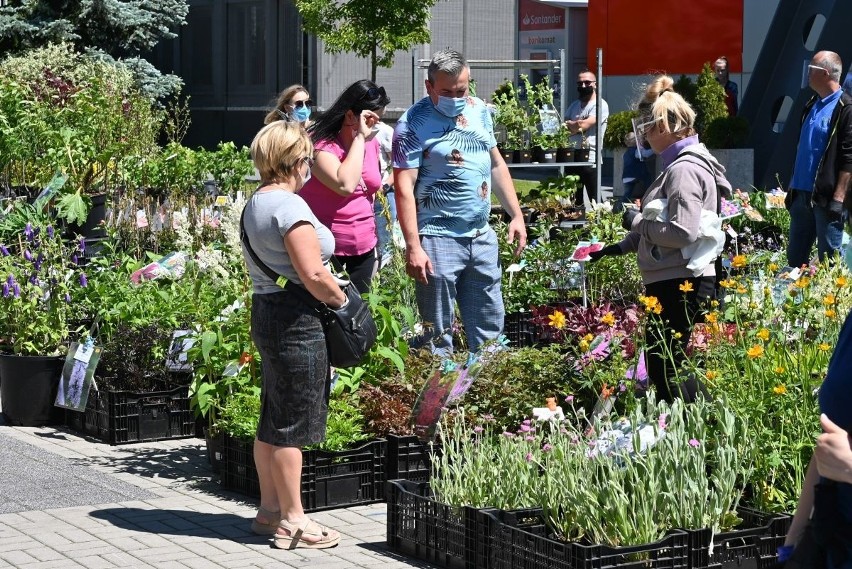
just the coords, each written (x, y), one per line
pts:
(374, 29)
(709, 99)
(121, 31)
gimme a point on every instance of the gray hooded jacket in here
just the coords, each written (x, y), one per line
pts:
(690, 183)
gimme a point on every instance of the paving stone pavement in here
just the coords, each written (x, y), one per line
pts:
(67, 501)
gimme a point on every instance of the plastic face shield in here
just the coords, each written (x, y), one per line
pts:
(639, 130)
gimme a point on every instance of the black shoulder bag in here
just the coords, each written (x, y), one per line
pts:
(350, 331)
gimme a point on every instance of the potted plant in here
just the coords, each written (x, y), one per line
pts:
(514, 119)
(564, 147)
(39, 271)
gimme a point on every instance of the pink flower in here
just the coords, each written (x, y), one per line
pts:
(661, 422)
(529, 457)
(530, 439)
(508, 435)
(477, 429)
(525, 429)
(694, 442)
(569, 399)
(547, 448)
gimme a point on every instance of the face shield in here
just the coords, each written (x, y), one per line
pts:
(639, 130)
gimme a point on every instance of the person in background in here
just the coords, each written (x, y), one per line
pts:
(286, 236)
(293, 102)
(720, 67)
(634, 172)
(385, 215)
(346, 177)
(586, 123)
(692, 181)
(822, 171)
(446, 164)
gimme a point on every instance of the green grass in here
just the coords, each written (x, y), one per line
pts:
(522, 187)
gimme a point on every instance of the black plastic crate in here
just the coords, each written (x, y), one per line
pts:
(408, 458)
(521, 542)
(753, 545)
(420, 527)
(519, 330)
(122, 417)
(329, 479)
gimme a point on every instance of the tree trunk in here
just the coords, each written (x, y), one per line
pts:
(373, 65)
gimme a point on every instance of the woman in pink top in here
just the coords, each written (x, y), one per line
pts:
(346, 176)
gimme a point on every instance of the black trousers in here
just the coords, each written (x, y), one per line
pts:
(360, 268)
(667, 335)
(589, 179)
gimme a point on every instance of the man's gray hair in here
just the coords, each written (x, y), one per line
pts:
(831, 62)
(446, 61)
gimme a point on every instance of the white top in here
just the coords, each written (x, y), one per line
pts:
(576, 111)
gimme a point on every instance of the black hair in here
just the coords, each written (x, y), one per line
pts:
(361, 95)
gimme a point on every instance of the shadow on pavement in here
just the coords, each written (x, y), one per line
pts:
(381, 548)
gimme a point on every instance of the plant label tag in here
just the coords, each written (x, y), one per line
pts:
(176, 358)
(77, 377)
(141, 219)
(53, 186)
(232, 369)
(730, 231)
(84, 351)
(221, 200)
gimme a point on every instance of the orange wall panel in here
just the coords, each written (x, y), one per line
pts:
(672, 36)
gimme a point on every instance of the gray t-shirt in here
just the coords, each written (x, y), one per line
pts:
(577, 111)
(268, 217)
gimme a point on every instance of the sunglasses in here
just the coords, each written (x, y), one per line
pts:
(300, 104)
(584, 83)
(374, 93)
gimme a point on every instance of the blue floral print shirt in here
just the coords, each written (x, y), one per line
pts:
(453, 188)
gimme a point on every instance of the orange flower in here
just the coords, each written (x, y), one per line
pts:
(608, 319)
(686, 287)
(711, 375)
(840, 281)
(606, 392)
(557, 320)
(712, 317)
(830, 313)
(780, 389)
(755, 351)
(245, 358)
(739, 261)
(829, 299)
(763, 334)
(802, 282)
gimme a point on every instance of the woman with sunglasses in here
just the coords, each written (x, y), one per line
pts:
(691, 181)
(284, 235)
(346, 177)
(294, 103)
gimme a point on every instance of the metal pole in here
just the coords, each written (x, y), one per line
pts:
(600, 124)
(563, 77)
(413, 75)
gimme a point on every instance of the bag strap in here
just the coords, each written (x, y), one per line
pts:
(710, 169)
(290, 286)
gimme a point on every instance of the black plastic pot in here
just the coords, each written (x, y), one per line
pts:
(28, 386)
(93, 228)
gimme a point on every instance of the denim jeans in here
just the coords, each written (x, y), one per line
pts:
(809, 223)
(385, 229)
(467, 271)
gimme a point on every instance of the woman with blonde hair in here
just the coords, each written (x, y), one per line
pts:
(691, 181)
(294, 103)
(285, 236)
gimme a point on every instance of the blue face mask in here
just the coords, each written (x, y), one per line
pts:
(302, 113)
(450, 106)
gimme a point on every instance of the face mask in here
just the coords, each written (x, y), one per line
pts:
(306, 178)
(585, 91)
(302, 113)
(450, 106)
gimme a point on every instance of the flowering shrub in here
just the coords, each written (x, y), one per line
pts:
(39, 271)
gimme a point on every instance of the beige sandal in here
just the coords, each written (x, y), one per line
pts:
(269, 527)
(295, 540)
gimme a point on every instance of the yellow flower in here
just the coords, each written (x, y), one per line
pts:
(658, 308)
(755, 351)
(823, 347)
(773, 267)
(557, 320)
(728, 283)
(802, 282)
(829, 299)
(584, 345)
(763, 334)
(711, 375)
(608, 319)
(686, 287)
(712, 317)
(741, 289)
(651, 304)
(738, 262)
(779, 370)
(714, 303)
(830, 313)
(678, 335)
(588, 337)
(780, 389)
(840, 281)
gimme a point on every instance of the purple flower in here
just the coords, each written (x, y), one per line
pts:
(10, 280)
(4, 251)
(28, 232)
(524, 429)
(547, 448)
(82, 245)
(50, 231)
(529, 439)
(477, 429)
(694, 442)
(83, 280)
(27, 255)
(16, 290)
(38, 262)
(569, 399)
(6, 290)
(488, 417)
(529, 457)
(67, 297)
(525, 422)
(74, 258)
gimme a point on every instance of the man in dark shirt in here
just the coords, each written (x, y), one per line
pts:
(731, 90)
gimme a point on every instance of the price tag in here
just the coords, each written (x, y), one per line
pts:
(141, 219)
(730, 231)
(84, 351)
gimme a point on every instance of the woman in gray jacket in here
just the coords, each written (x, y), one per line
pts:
(691, 180)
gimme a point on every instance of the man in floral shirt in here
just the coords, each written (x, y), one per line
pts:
(446, 164)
